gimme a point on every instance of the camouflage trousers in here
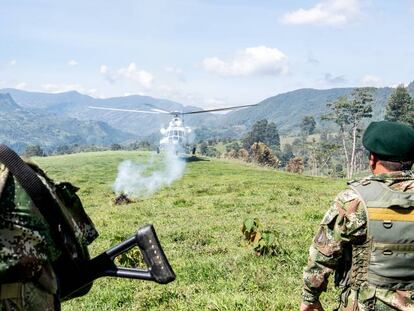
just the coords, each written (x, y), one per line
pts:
(25, 297)
(349, 302)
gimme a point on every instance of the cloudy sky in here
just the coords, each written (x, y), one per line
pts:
(209, 53)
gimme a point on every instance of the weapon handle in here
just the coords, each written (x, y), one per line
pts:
(154, 256)
(159, 269)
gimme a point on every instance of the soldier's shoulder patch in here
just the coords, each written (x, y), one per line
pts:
(346, 196)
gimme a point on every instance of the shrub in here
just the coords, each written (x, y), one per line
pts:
(262, 242)
(232, 154)
(295, 165)
(115, 147)
(262, 155)
(34, 151)
(243, 154)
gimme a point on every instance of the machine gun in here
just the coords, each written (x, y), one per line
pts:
(159, 269)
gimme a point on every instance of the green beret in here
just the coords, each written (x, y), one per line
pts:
(391, 141)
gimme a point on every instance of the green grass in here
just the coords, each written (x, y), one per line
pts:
(198, 220)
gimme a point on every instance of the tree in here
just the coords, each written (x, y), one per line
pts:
(295, 165)
(63, 149)
(115, 147)
(265, 132)
(272, 138)
(348, 114)
(400, 106)
(234, 145)
(262, 154)
(34, 151)
(144, 145)
(203, 148)
(320, 155)
(307, 126)
(286, 154)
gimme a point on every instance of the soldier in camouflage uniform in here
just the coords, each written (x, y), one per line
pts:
(369, 243)
(27, 280)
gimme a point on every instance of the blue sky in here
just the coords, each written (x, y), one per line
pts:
(208, 53)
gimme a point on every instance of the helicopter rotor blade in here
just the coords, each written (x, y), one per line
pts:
(157, 109)
(218, 109)
(160, 111)
(123, 110)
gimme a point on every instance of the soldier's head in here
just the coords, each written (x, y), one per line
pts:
(391, 146)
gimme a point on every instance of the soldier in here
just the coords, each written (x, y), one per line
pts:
(367, 235)
(27, 280)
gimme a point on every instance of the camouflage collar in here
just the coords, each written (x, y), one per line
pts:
(393, 177)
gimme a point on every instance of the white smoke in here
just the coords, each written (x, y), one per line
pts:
(143, 179)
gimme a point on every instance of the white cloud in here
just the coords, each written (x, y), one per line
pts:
(178, 72)
(327, 12)
(142, 77)
(91, 92)
(370, 80)
(103, 69)
(260, 60)
(13, 62)
(21, 85)
(72, 63)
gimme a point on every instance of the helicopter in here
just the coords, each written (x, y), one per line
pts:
(176, 136)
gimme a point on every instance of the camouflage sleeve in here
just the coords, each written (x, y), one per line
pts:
(343, 223)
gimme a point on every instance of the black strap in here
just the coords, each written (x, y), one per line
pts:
(38, 192)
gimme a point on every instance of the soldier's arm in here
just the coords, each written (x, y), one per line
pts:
(341, 225)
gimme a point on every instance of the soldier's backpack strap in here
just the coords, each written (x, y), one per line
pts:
(376, 194)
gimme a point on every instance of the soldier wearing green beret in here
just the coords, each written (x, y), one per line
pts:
(366, 238)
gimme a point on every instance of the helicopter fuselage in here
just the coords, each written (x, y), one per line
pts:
(176, 135)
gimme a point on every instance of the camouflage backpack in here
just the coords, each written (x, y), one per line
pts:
(70, 227)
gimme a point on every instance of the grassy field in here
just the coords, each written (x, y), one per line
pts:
(198, 220)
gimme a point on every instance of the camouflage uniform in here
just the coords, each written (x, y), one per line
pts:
(27, 280)
(343, 226)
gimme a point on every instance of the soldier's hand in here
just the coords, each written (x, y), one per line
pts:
(311, 307)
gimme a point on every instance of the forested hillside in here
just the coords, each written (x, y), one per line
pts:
(21, 127)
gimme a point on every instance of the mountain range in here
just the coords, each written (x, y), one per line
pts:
(64, 118)
(21, 127)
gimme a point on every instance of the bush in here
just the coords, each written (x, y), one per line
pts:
(262, 242)
(233, 146)
(232, 154)
(115, 147)
(34, 151)
(262, 155)
(295, 165)
(243, 154)
(208, 151)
